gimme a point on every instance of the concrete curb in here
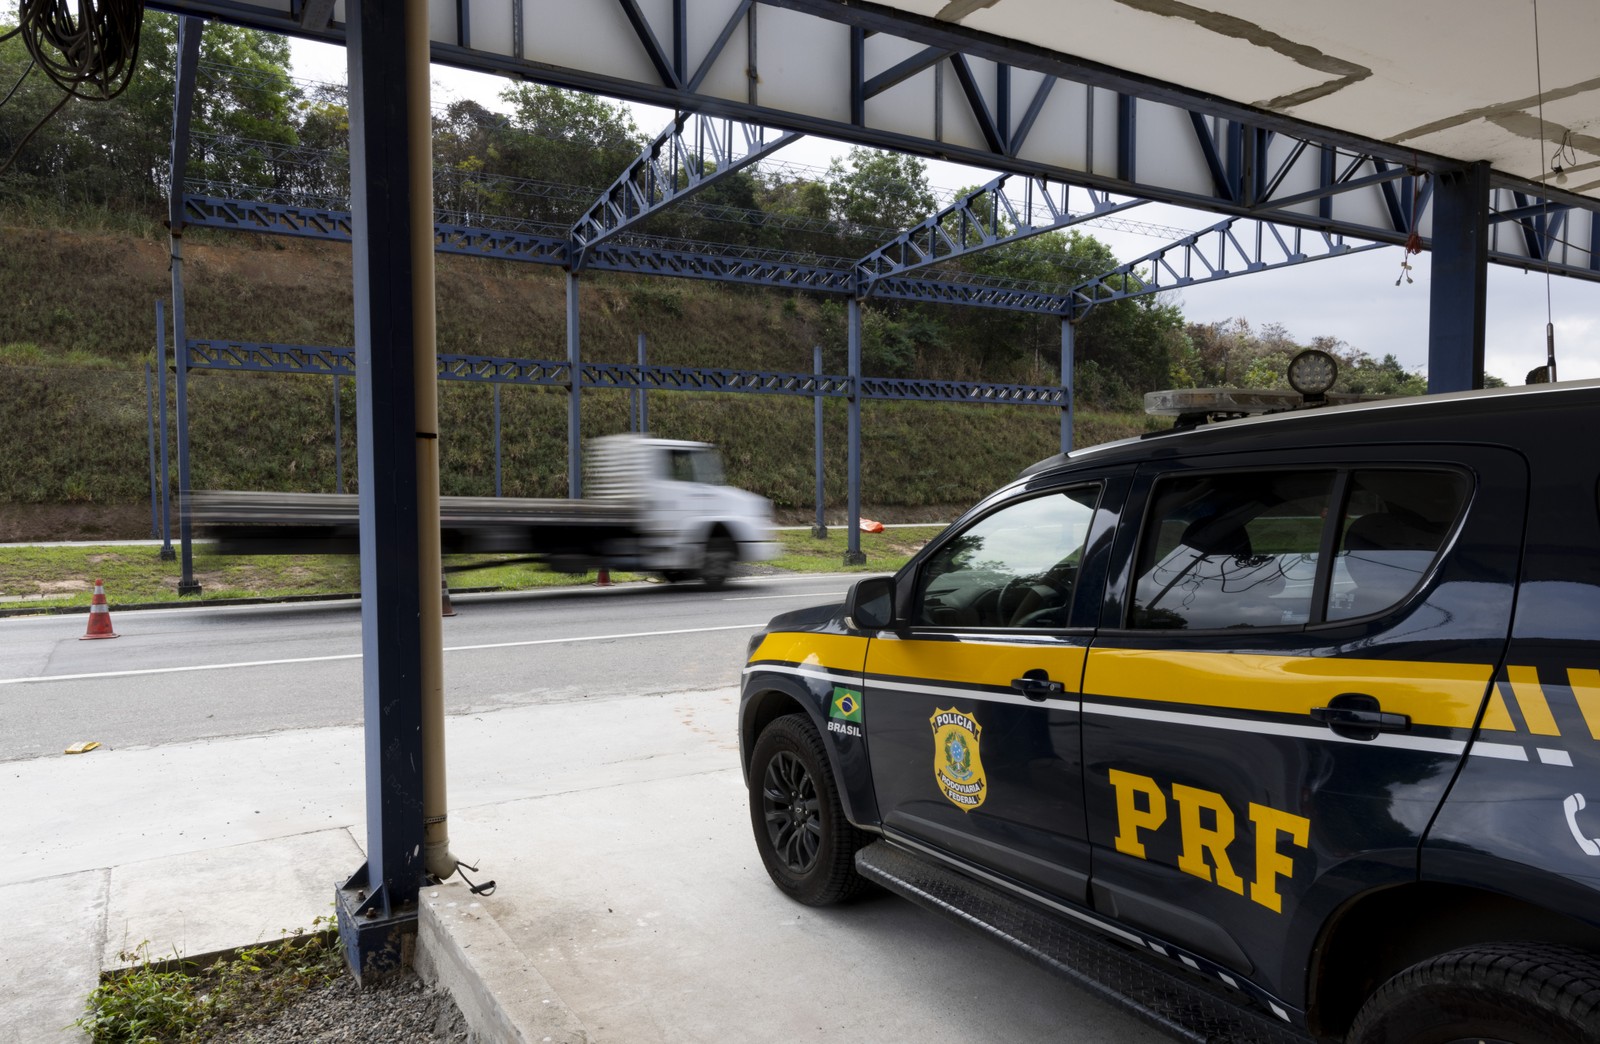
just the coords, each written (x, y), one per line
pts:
(501, 994)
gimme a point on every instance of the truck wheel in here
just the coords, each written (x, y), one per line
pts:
(718, 562)
(1519, 994)
(806, 843)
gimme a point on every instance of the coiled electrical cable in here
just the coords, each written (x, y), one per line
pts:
(89, 48)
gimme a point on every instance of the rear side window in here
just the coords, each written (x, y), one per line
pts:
(1237, 550)
(1255, 549)
(1394, 527)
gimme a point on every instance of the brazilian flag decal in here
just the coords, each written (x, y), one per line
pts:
(846, 705)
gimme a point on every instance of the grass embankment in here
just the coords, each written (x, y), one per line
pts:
(56, 577)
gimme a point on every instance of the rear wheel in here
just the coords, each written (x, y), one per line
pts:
(1511, 993)
(804, 839)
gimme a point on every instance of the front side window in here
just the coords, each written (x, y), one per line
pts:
(1012, 569)
(703, 465)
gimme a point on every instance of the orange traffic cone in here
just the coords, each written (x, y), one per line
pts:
(604, 579)
(99, 615)
(444, 590)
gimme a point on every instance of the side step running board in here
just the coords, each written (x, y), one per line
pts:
(1187, 1007)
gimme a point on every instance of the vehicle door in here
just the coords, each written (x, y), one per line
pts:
(1292, 659)
(972, 707)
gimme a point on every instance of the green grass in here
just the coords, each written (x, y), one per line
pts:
(886, 551)
(53, 577)
(64, 576)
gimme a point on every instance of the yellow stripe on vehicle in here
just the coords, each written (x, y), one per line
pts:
(992, 664)
(1442, 694)
(838, 651)
(1586, 690)
(1525, 689)
(1496, 715)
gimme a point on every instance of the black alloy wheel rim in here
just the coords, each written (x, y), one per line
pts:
(789, 803)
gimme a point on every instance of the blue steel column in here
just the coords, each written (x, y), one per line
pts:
(338, 439)
(1068, 371)
(644, 396)
(574, 389)
(189, 30)
(167, 553)
(820, 530)
(853, 555)
(150, 424)
(497, 440)
(378, 904)
(1458, 281)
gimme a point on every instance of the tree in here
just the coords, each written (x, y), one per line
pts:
(872, 190)
(116, 153)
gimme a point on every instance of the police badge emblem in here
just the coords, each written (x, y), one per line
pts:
(957, 767)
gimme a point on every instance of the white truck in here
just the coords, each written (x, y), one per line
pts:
(652, 505)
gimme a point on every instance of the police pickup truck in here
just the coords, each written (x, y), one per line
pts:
(1282, 727)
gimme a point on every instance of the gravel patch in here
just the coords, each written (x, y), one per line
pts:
(402, 1010)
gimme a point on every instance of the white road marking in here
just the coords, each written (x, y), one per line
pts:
(357, 656)
(769, 598)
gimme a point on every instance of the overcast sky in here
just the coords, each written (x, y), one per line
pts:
(1354, 299)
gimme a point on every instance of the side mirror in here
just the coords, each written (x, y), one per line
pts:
(870, 604)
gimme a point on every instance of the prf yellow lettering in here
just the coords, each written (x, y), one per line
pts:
(1206, 827)
(1198, 839)
(1272, 864)
(1130, 817)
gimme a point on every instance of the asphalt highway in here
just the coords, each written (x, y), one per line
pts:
(182, 674)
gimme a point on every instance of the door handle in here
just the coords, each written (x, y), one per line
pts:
(1036, 685)
(1355, 715)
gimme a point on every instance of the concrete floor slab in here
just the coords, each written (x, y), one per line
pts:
(50, 959)
(647, 911)
(199, 903)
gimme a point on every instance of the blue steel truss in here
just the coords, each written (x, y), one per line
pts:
(1232, 247)
(259, 357)
(1013, 108)
(690, 154)
(1007, 209)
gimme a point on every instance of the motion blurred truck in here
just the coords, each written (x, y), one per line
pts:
(654, 505)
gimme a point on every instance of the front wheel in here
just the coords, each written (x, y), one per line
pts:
(804, 839)
(716, 565)
(1511, 993)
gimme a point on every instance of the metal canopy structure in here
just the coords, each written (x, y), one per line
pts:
(1313, 136)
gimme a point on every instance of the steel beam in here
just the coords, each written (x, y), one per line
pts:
(693, 152)
(1068, 374)
(1459, 280)
(488, 369)
(574, 392)
(1299, 173)
(167, 553)
(188, 59)
(820, 529)
(1231, 247)
(1007, 209)
(853, 555)
(379, 903)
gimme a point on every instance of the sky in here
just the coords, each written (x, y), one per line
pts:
(1353, 299)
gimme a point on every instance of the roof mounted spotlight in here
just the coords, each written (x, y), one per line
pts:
(1312, 373)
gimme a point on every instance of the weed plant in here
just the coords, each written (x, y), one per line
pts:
(177, 1001)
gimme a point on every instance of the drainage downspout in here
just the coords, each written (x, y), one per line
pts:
(437, 860)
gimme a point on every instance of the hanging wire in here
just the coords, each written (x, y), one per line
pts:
(1549, 311)
(88, 48)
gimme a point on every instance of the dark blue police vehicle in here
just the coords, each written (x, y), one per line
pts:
(1283, 727)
